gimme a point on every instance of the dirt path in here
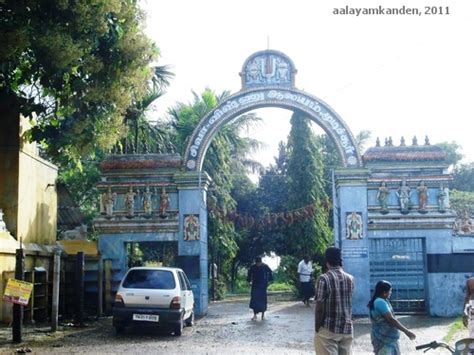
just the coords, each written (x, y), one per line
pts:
(227, 329)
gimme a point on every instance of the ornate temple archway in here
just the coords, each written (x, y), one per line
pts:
(378, 236)
(268, 79)
(135, 183)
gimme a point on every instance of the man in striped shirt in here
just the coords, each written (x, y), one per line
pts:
(334, 288)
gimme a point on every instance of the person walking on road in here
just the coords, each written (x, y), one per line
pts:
(385, 327)
(333, 318)
(305, 269)
(468, 318)
(259, 276)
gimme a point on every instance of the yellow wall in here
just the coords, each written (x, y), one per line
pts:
(6, 308)
(27, 191)
(28, 203)
(37, 200)
(7, 266)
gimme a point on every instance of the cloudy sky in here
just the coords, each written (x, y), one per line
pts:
(392, 75)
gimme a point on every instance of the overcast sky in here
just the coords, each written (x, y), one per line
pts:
(393, 75)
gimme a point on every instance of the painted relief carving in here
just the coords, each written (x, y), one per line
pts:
(108, 202)
(268, 68)
(422, 196)
(130, 201)
(463, 224)
(382, 197)
(147, 201)
(354, 226)
(254, 72)
(404, 193)
(164, 203)
(443, 202)
(191, 227)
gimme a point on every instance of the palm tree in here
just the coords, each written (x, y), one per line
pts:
(141, 131)
(226, 159)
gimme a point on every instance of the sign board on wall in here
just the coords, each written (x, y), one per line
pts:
(354, 252)
(17, 291)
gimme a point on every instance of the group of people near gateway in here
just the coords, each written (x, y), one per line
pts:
(333, 298)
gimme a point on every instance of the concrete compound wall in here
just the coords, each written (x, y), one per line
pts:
(449, 258)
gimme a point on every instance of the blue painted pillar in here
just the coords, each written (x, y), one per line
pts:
(192, 247)
(351, 197)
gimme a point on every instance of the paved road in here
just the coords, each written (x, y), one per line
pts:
(227, 329)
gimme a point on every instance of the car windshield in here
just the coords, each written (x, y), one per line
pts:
(151, 279)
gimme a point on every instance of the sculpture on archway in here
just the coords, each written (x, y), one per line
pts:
(130, 201)
(442, 199)
(382, 197)
(107, 202)
(404, 194)
(147, 201)
(422, 196)
(164, 203)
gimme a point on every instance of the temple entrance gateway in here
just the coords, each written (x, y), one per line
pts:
(390, 196)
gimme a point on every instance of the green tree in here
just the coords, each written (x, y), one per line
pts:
(361, 139)
(81, 177)
(76, 67)
(226, 159)
(143, 136)
(463, 177)
(453, 154)
(462, 201)
(306, 186)
(272, 197)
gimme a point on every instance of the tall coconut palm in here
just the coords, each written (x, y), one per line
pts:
(226, 158)
(143, 136)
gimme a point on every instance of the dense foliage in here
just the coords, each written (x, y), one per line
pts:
(76, 67)
(305, 176)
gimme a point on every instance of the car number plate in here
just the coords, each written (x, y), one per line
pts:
(146, 317)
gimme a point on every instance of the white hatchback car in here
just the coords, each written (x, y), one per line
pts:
(154, 295)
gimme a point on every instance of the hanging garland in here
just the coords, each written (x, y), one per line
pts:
(270, 220)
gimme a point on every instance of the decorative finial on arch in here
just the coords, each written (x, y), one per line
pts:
(427, 140)
(377, 142)
(402, 142)
(414, 141)
(266, 68)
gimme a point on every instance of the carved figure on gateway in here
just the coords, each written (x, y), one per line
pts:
(268, 80)
(268, 68)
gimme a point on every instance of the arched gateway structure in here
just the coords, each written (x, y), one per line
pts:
(268, 81)
(392, 217)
